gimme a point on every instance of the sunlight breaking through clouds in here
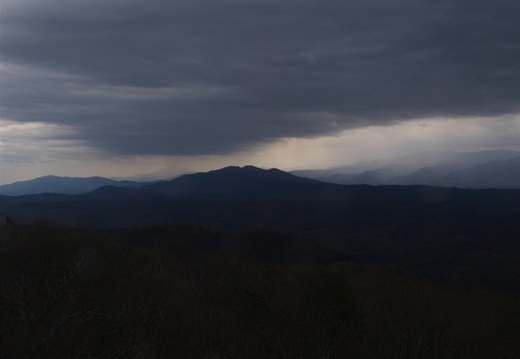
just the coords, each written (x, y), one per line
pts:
(37, 142)
(379, 142)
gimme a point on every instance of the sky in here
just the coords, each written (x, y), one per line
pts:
(123, 88)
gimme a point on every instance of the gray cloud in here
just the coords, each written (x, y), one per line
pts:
(205, 77)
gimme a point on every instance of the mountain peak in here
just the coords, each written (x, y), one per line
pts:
(231, 179)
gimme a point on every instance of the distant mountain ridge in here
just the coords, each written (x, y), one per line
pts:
(494, 174)
(433, 231)
(64, 185)
(452, 234)
(224, 180)
(246, 196)
(229, 180)
(485, 169)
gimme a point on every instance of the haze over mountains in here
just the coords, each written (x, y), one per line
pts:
(485, 169)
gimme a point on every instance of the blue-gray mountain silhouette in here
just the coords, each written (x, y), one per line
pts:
(65, 185)
(230, 181)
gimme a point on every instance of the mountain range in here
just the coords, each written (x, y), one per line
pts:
(66, 185)
(451, 234)
(247, 195)
(485, 169)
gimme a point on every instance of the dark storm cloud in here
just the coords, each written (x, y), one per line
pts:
(200, 77)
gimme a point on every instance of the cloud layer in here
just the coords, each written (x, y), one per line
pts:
(205, 77)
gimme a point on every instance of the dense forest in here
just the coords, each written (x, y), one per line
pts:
(191, 291)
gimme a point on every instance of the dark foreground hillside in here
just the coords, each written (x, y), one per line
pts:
(198, 292)
(463, 237)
